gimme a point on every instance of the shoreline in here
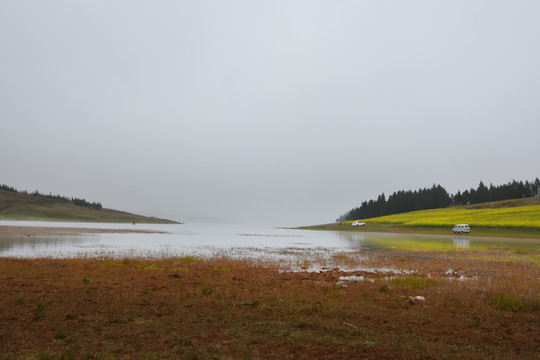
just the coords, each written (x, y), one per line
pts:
(16, 230)
(396, 229)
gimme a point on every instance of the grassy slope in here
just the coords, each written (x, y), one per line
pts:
(514, 218)
(14, 206)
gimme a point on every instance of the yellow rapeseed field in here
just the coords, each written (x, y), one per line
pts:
(504, 217)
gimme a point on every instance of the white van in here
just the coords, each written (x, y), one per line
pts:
(461, 228)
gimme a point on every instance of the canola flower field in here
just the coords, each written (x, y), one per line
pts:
(523, 217)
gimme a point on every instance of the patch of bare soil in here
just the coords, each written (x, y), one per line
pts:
(223, 309)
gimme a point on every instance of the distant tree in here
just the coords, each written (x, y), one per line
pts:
(400, 201)
(466, 197)
(437, 197)
(457, 199)
(481, 194)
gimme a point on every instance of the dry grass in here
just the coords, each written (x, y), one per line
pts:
(15, 206)
(231, 309)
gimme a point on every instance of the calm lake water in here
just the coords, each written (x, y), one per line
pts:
(208, 240)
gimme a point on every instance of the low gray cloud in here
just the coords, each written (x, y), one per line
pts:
(282, 112)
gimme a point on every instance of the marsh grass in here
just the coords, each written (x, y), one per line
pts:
(188, 259)
(40, 310)
(62, 334)
(511, 302)
(218, 305)
(20, 301)
(414, 282)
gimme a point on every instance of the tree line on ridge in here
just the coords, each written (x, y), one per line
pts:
(75, 201)
(437, 197)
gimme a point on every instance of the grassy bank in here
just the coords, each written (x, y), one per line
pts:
(434, 230)
(15, 206)
(510, 218)
(230, 309)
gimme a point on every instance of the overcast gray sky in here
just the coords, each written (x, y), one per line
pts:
(277, 112)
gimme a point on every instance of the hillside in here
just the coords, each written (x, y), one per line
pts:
(508, 218)
(510, 214)
(17, 206)
(437, 197)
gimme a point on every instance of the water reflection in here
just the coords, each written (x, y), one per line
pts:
(433, 242)
(355, 239)
(461, 242)
(38, 243)
(166, 240)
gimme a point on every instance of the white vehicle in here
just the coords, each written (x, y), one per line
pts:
(358, 223)
(461, 228)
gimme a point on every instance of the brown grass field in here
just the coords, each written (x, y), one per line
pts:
(190, 308)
